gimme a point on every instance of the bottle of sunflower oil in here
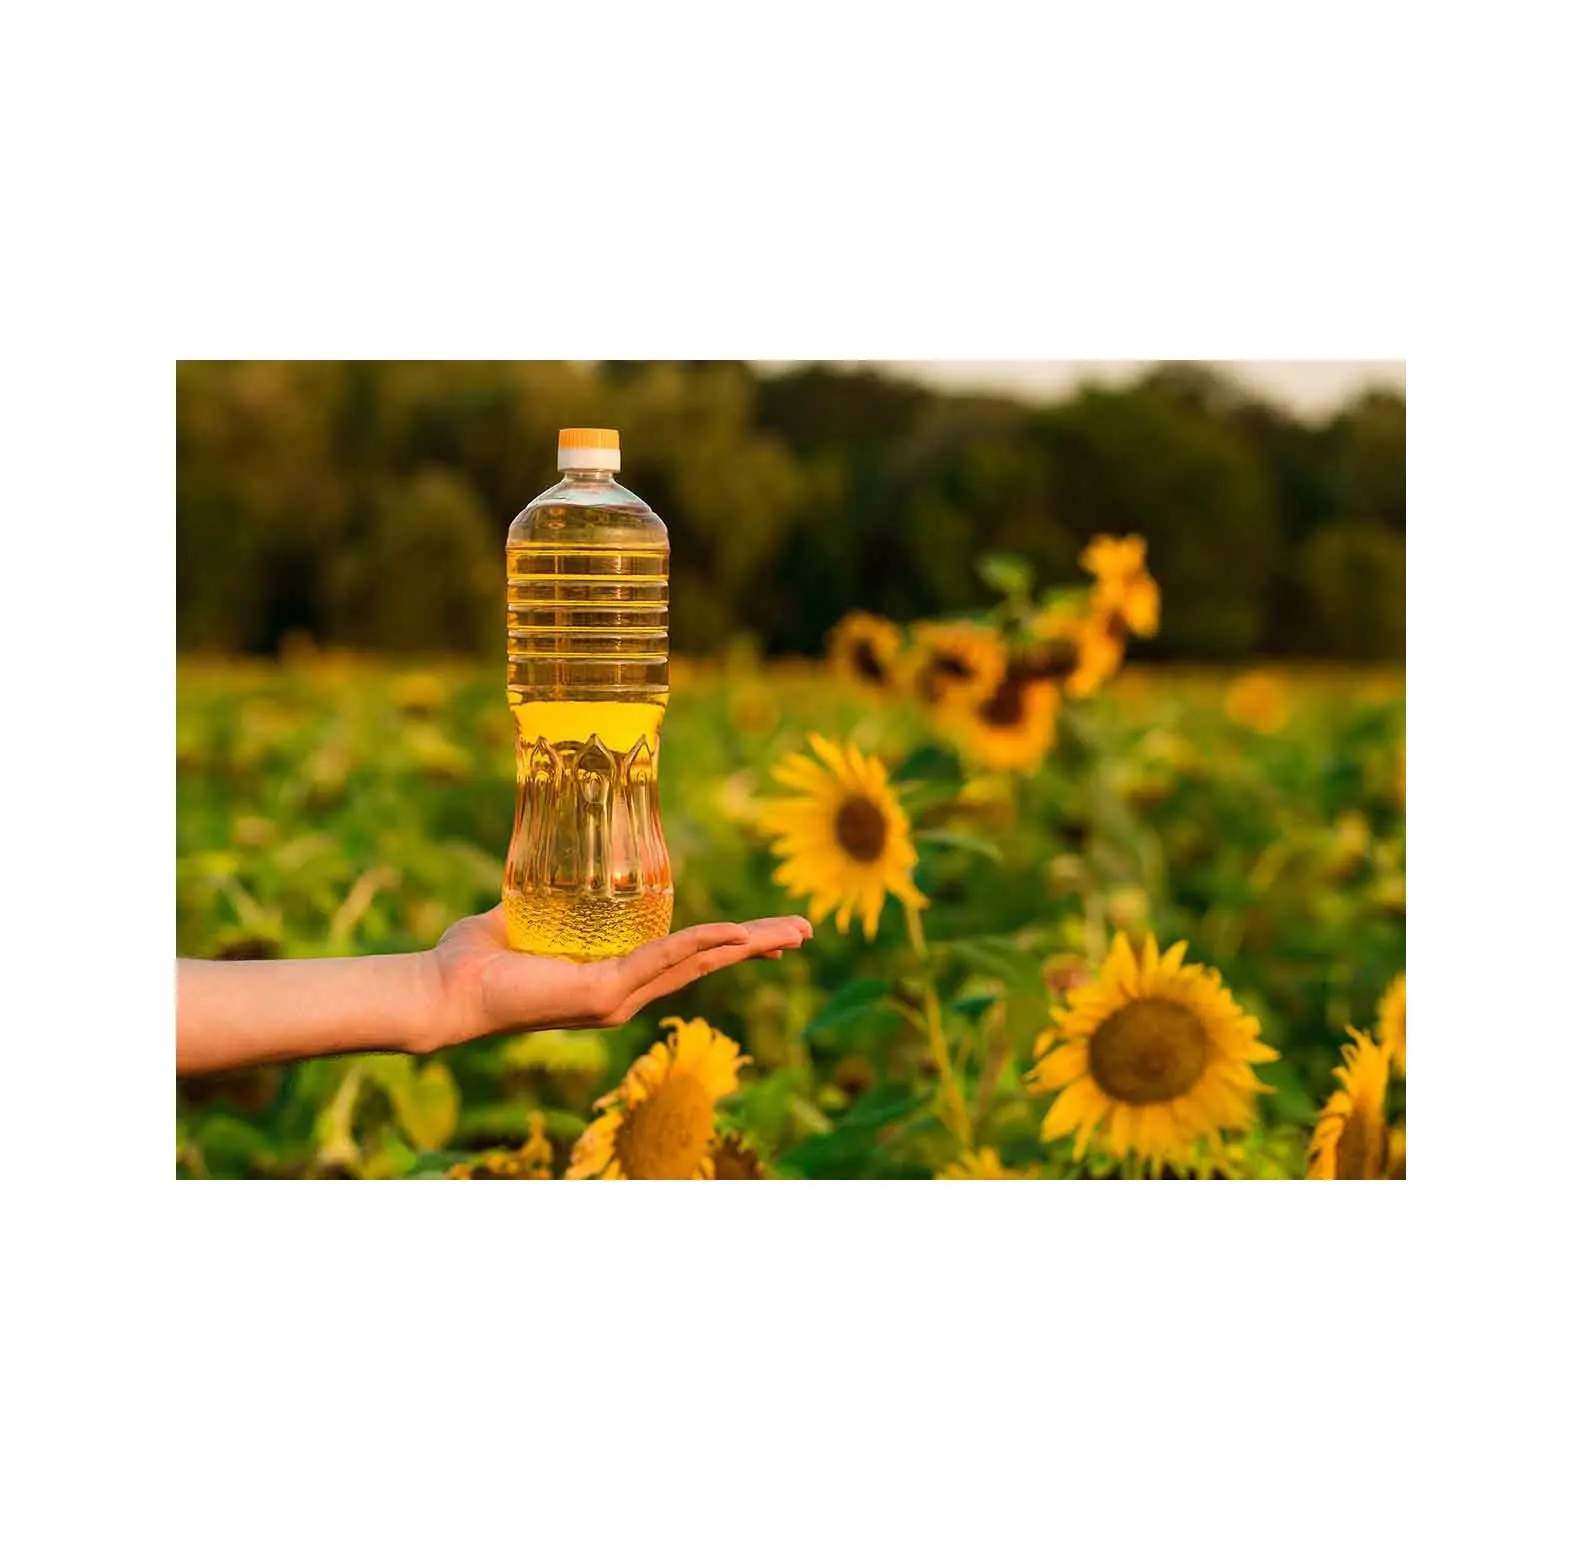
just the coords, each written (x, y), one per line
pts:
(587, 875)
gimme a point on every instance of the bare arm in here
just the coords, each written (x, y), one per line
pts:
(245, 1014)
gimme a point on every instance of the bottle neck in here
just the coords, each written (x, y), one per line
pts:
(601, 476)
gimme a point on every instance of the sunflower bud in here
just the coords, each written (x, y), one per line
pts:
(1063, 973)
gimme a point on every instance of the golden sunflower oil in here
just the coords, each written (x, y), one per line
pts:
(587, 875)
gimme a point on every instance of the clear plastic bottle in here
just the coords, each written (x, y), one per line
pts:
(588, 874)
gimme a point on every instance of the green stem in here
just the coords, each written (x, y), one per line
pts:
(953, 1111)
(1094, 928)
(995, 1060)
(965, 1052)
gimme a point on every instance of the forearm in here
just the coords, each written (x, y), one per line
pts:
(249, 1013)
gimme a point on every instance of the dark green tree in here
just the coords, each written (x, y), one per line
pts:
(1353, 577)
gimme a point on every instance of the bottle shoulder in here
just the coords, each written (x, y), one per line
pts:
(573, 510)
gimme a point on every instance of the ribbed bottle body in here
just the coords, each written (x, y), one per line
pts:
(587, 875)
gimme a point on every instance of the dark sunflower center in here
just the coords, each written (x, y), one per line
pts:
(1059, 658)
(861, 828)
(1005, 707)
(866, 662)
(665, 1138)
(1148, 1051)
(940, 669)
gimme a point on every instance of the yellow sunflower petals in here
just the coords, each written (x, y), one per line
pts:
(1119, 1130)
(800, 772)
(1121, 968)
(1068, 1110)
(1149, 958)
(1058, 1069)
(834, 759)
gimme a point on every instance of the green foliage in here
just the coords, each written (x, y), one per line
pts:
(861, 1144)
(950, 838)
(331, 806)
(1008, 575)
(851, 1001)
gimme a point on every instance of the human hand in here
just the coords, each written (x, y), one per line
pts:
(484, 986)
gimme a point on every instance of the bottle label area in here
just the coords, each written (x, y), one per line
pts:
(588, 874)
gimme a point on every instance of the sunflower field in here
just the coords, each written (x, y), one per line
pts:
(1075, 916)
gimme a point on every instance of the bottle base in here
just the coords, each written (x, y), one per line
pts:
(553, 923)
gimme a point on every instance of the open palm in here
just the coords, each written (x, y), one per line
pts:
(488, 987)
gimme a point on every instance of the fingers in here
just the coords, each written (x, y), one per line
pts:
(763, 938)
(652, 959)
(777, 934)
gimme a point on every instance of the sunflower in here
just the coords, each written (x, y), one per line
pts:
(1014, 726)
(843, 839)
(864, 649)
(1079, 650)
(1350, 1141)
(1392, 1023)
(658, 1124)
(955, 664)
(1153, 1054)
(536, 1153)
(532, 1161)
(1122, 582)
(1101, 650)
(984, 1165)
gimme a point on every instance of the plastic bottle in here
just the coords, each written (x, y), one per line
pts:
(588, 874)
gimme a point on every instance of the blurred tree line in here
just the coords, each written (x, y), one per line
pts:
(365, 504)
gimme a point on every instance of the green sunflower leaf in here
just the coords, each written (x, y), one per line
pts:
(849, 1001)
(435, 1163)
(1291, 1102)
(947, 838)
(929, 764)
(973, 1007)
(997, 956)
(860, 1144)
(1010, 575)
(230, 1146)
